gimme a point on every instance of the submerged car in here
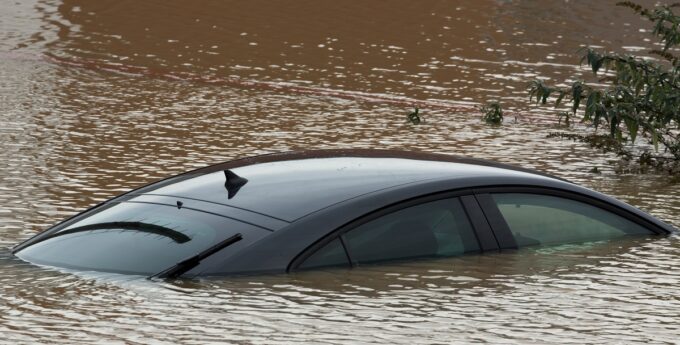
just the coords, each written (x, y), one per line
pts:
(296, 211)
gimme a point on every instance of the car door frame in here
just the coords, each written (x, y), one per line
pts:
(502, 231)
(478, 221)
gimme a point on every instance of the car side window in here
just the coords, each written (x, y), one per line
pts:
(437, 228)
(536, 219)
(333, 254)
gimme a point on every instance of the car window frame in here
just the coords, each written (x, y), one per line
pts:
(502, 231)
(479, 224)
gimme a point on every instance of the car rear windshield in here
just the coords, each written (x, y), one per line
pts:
(137, 238)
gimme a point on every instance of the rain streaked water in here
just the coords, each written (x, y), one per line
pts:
(100, 97)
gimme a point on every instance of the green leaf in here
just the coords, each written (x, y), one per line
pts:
(613, 127)
(596, 65)
(633, 127)
(545, 95)
(576, 94)
(591, 105)
(559, 98)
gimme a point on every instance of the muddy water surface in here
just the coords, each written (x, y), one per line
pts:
(100, 97)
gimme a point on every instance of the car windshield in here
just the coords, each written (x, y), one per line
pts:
(136, 238)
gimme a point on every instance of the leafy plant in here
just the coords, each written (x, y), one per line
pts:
(642, 99)
(414, 117)
(492, 113)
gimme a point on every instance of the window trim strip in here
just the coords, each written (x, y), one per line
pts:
(499, 227)
(485, 237)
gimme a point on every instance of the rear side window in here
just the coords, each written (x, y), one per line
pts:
(438, 228)
(542, 219)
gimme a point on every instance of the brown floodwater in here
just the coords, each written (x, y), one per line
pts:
(98, 97)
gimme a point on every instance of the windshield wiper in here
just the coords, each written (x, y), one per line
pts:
(185, 265)
(133, 226)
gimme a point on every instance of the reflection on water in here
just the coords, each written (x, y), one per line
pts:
(571, 294)
(100, 97)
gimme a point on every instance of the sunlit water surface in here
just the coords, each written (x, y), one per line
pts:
(100, 97)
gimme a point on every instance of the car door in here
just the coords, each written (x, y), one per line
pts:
(521, 217)
(443, 225)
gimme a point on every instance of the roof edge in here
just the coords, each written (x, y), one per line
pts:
(331, 153)
(361, 153)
